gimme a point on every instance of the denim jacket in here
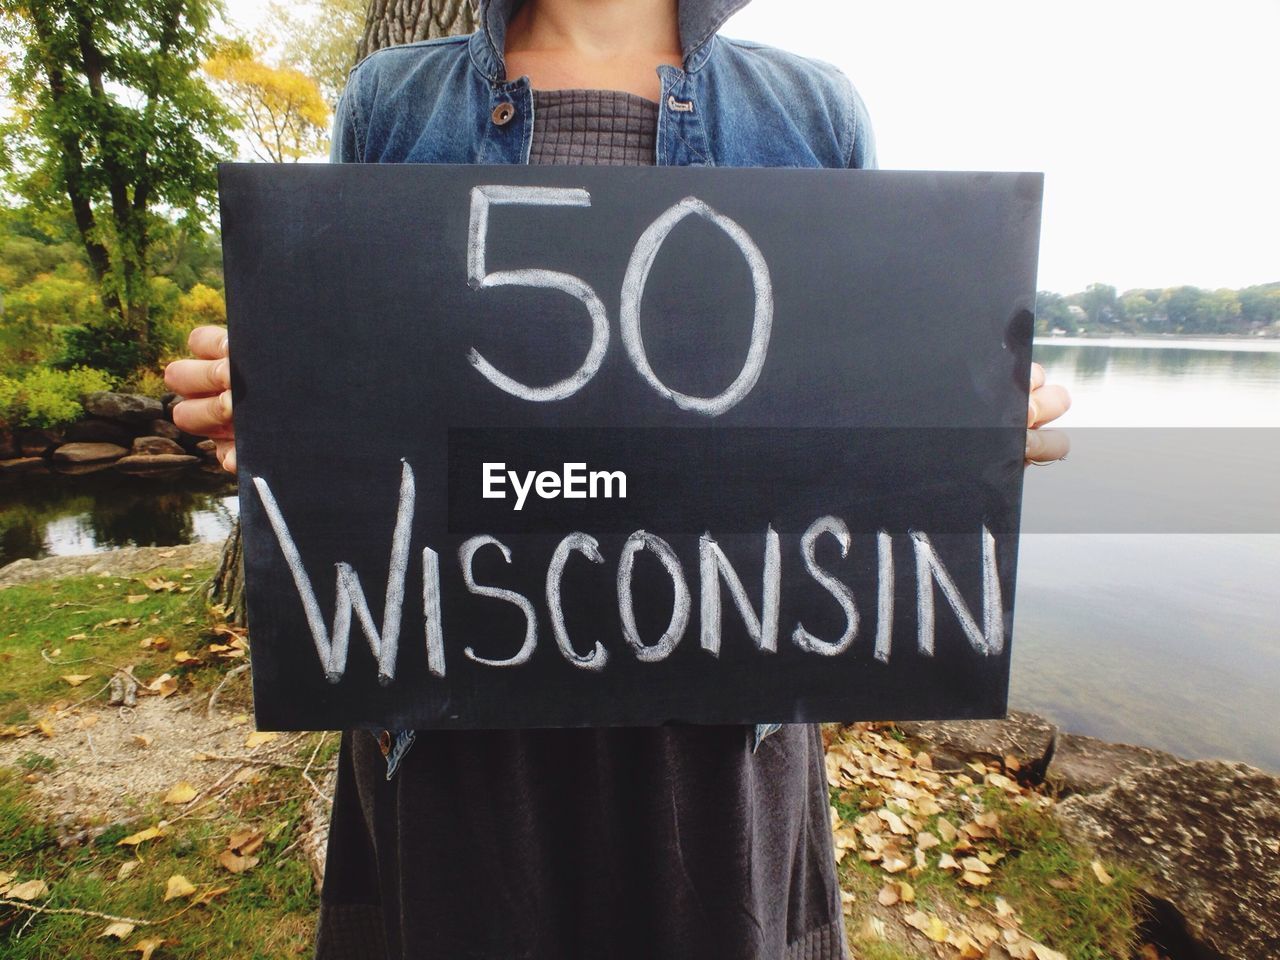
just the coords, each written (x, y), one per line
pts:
(731, 103)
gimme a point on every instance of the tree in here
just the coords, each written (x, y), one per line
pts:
(1099, 303)
(280, 108)
(392, 22)
(113, 121)
(387, 23)
(322, 45)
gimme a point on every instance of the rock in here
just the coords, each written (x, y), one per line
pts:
(94, 430)
(125, 407)
(1205, 836)
(35, 442)
(164, 428)
(88, 452)
(21, 464)
(1085, 765)
(80, 469)
(146, 462)
(124, 562)
(1025, 736)
(148, 446)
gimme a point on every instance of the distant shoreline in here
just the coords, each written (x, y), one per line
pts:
(1171, 341)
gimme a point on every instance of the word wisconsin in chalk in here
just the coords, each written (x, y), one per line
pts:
(714, 570)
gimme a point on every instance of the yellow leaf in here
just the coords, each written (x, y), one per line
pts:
(1042, 952)
(974, 879)
(31, 890)
(178, 886)
(6, 880)
(73, 637)
(75, 679)
(926, 840)
(1100, 872)
(948, 862)
(118, 929)
(888, 895)
(235, 863)
(208, 895)
(245, 841)
(259, 737)
(906, 891)
(184, 659)
(147, 947)
(947, 830)
(135, 597)
(46, 728)
(974, 865)
(165, 685)
(126, 868)
(181, 792)
(140, 837)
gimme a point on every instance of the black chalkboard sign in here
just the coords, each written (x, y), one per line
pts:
(561, 446)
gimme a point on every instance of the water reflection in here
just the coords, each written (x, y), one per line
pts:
(53, 515)
(1170, 639)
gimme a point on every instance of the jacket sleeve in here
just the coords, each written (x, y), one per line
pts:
(345, 144)
(862, 152)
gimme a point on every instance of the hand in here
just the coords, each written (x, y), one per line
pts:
(204, 383)
(1046, 403)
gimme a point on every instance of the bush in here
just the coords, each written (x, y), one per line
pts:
(49, 398)
(110, 345)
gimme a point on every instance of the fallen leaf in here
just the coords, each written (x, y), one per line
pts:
(1042, 952)
(926, 841)
(178, 886)
(75, 679)
(906, 891)
(1100, 872)
(46, 728)
(73, 638)
(974, 865)
(208, 895)
(974, 879)
(142, 740)
(947, 830)
(235, 863)
(245, 841)
(888, 895)
(31, 890)
(140, 837)
(947, 862)
(159, 584)
(126, 868)
(184, 659)
(165, 685)
(181, 792)
(118, 929)
(147, 947)
(259, 737)
(135, 597)
(6, 880)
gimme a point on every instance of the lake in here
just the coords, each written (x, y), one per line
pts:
(1170, 639)
(1165, 636)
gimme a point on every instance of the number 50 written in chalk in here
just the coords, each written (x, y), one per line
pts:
(633, 284)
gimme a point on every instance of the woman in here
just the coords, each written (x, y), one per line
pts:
(677, 842)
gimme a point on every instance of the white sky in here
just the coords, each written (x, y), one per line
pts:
(1155, 123)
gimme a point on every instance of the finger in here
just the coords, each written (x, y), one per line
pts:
(1048, 404)
(1044, 446)
(1037, 376)
(226, 451)
(198, 378)
(208, 342)
(206, 416)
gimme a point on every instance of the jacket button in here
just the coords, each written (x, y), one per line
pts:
(384, 742)
(503, 113)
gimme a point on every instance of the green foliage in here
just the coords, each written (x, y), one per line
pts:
(1183, 310)
(47, 397)
(112, 122)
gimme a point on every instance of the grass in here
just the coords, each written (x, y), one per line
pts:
(1049, 881)
(267, 911)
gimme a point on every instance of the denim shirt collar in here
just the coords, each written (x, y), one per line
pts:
(698, 20)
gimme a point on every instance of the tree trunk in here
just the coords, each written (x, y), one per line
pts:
(226, 589)
(392, 22)
(387, 23)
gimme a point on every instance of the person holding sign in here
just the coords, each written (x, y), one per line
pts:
(663, 842)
